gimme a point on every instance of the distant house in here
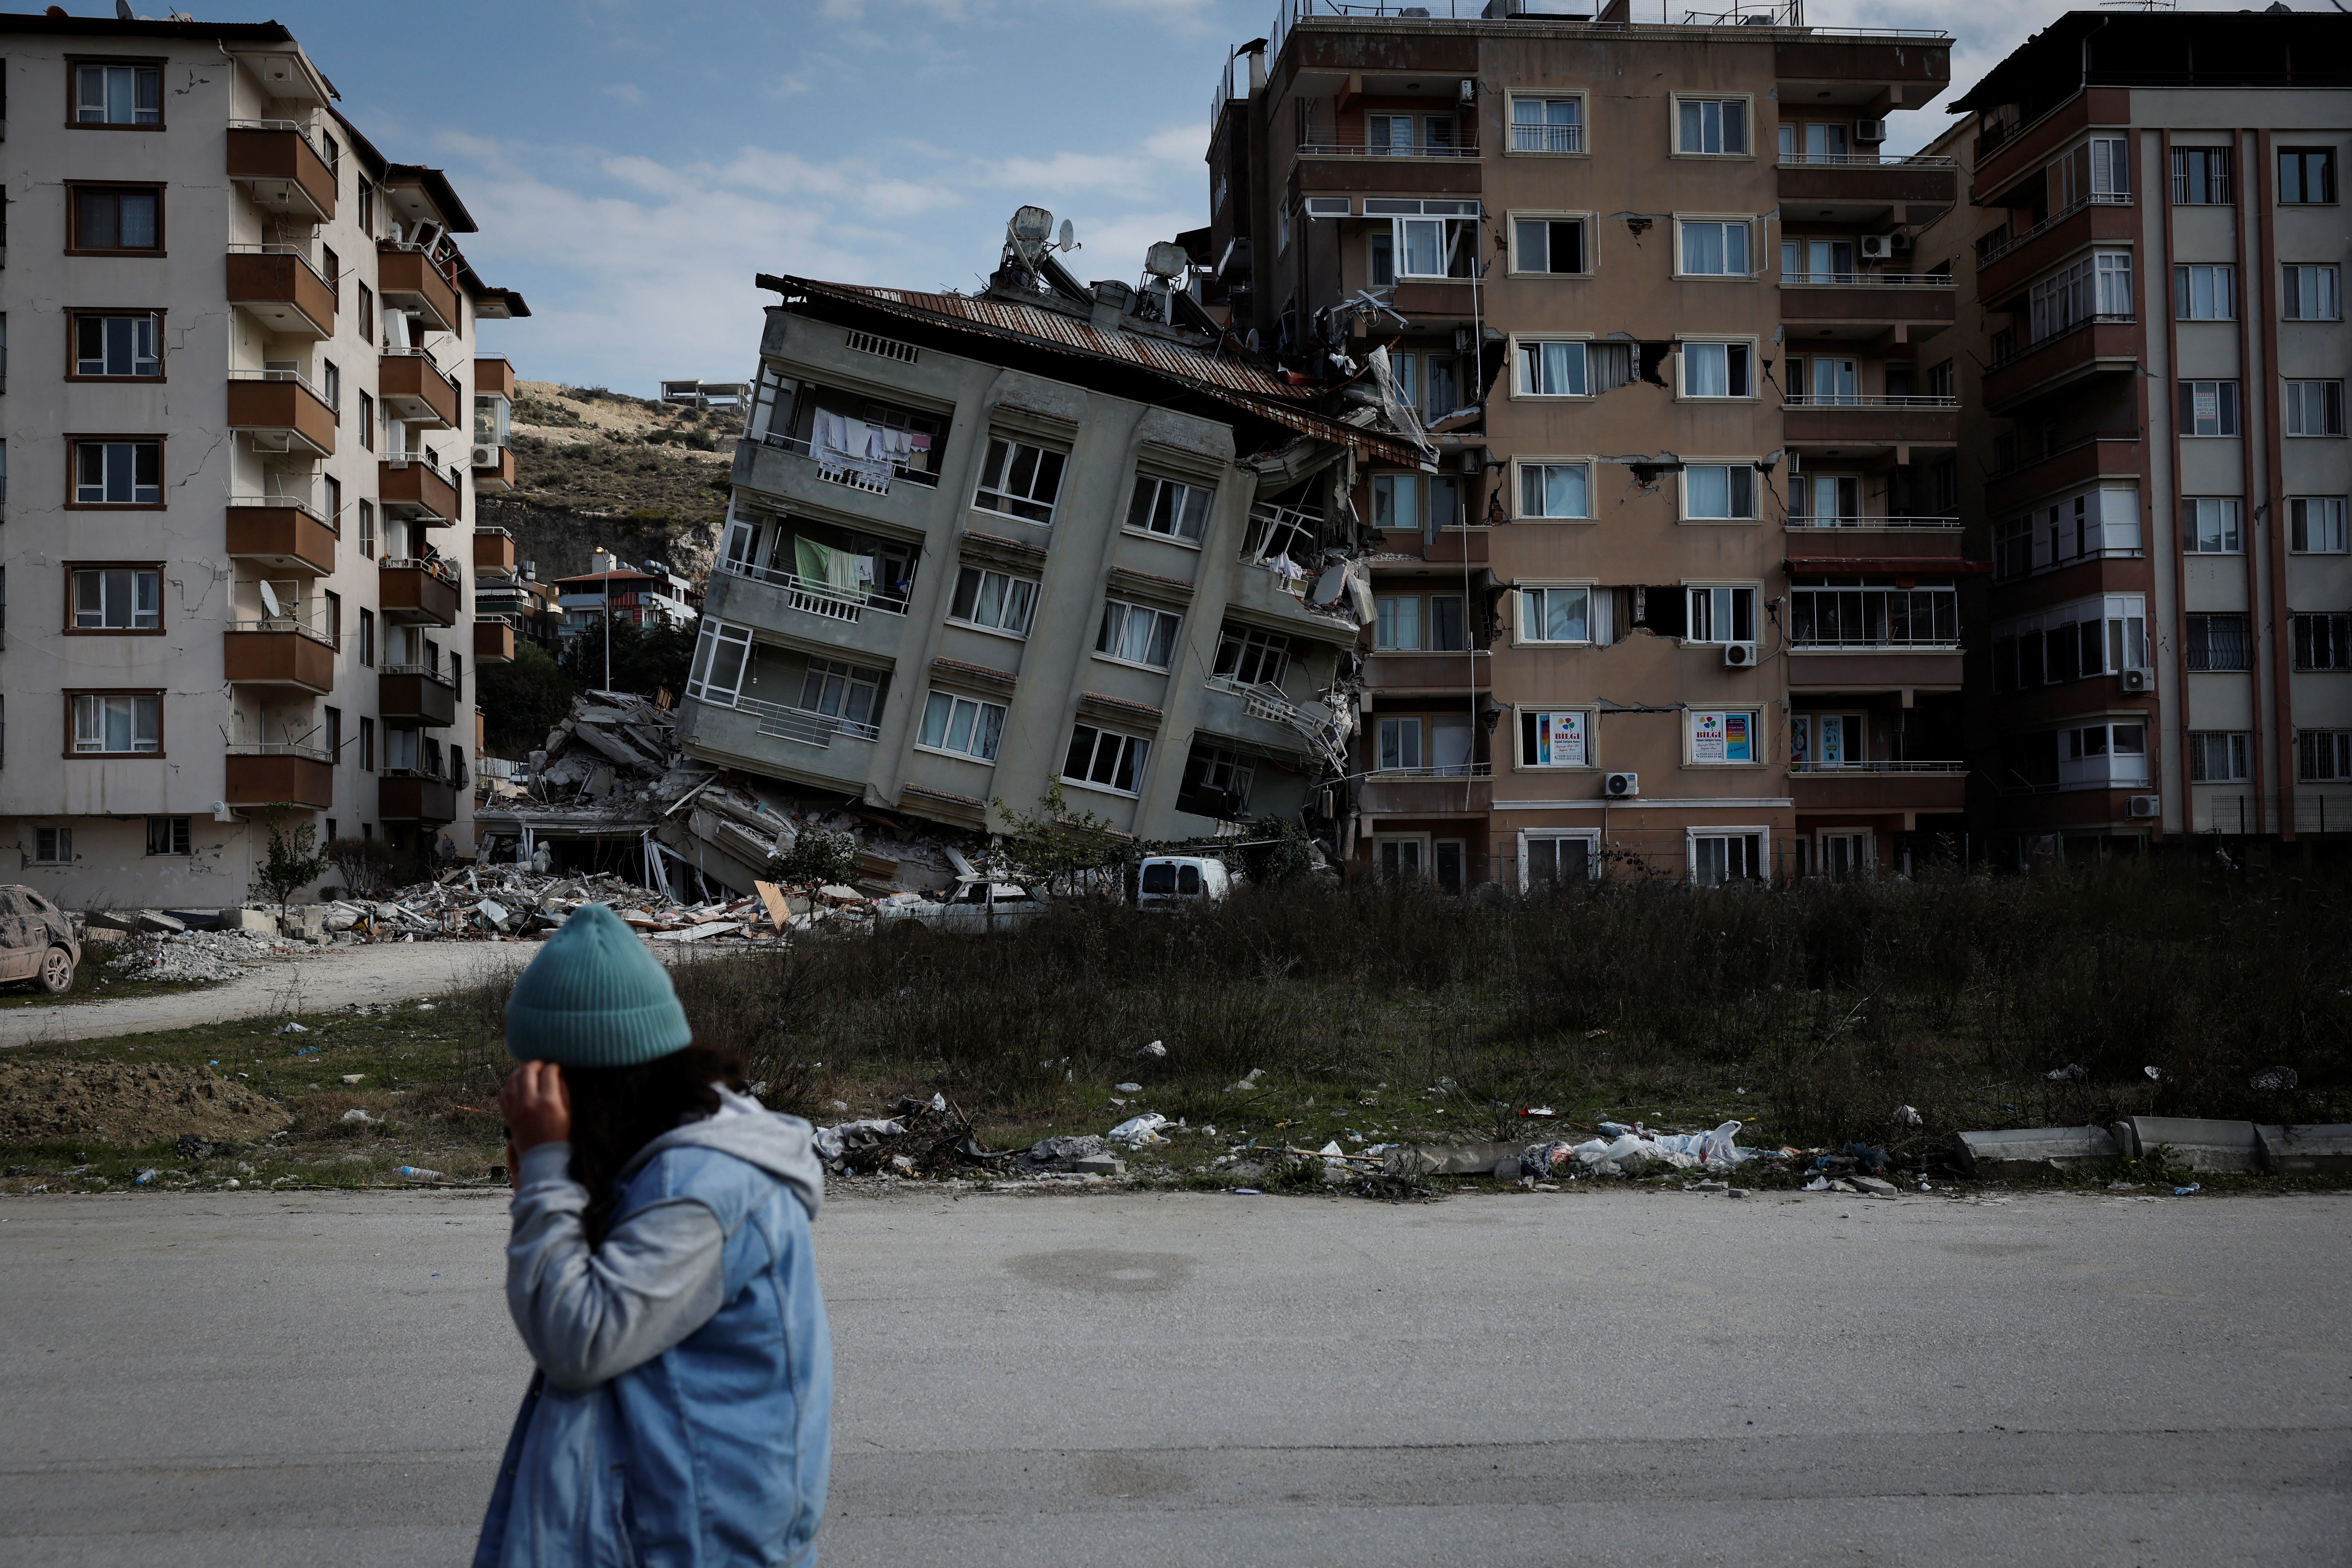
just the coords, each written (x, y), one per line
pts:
(652, 596)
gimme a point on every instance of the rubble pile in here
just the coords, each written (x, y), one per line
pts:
(919, 1138)
(193, 955)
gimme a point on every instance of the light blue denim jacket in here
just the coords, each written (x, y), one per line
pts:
(682, 1413)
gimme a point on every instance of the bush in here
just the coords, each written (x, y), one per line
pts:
(365, 865)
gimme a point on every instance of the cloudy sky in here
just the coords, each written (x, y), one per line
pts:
(635, 162)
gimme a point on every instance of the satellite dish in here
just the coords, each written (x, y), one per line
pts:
(1167, 259)
(1069, 235)
(269, 603)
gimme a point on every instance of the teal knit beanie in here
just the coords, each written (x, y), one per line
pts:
(595, 997)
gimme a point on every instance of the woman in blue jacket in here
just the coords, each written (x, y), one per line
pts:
(660, 1271)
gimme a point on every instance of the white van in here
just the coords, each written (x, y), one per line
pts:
(1168, 881)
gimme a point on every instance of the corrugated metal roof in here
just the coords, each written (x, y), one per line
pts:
(1223, 376)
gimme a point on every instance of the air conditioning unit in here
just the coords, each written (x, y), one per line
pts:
(1877, 247)
(1464, 340)
(1619, 786)
(1739, 656)
(1329, 207)
(2139, 680)
(1465, 91)
(485, 456)
(1903, 241)
(1870, 130)
(2144, 806)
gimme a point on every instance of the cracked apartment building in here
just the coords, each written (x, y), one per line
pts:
(1048, 537)
(1682, 592)
(244, 407)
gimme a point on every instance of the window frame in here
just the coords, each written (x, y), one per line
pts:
(73, 246)
(1137, 763)
(2328, 167)
(2296, 394)
(2176, 174)
(73, 64)
(1519, 466)
(1511, 126)
(73, 695)
(2228, 408)
(1731, 465)
(1758, 751)
(2237, 746)
(2197, 640)
(1752, 588)
(2290, 293)
(2334, 627)
(1013, 440)
(1160, 615)
(1145, 530)
(1525, 719)
(1589, 836)
(1747, 102)
(1522, 612)
(981, 706)
(1683, 393)
(2299, 524)
(73, 569)
(1522, 342)
(74, 315)
(1254, 647)
(74, 442)
(2233, 532)
(1586, 231)
(60, 838)
(179, 841)
(2336, 743)
(2184, 299)
(1745, 221)
(982, 572)
(1761, 872)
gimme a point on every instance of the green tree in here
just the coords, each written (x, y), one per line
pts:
(292, 861)
(522, 700)
(1052, 847)
(645, 660)
(815, 858)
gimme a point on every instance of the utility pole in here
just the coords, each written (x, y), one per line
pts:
(608, 618)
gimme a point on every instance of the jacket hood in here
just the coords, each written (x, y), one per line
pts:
(777, 1143)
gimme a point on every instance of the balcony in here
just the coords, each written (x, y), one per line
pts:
(281, 412)
(1869, 299)
(779, 742)
(407, 279)
(1874, 668)
(416, 694)
(412, 387)
(280, 776)
(1427, 792)
(494, 640)
(277, 653)
(2006, 154)
(1263, 715)
(1422, 168)
(417, 593)
(1451, 673)
(2008, 263)
(283, 535)
(2115, 454)
(1879, 786)
(1858, 182)
(405, 796)
(782, 467)
(494, 550)
(274, 162)
(1859, 421)
(497, 475)
(809, 613)
(2095, 346)
(276, 286)
(413, 487)
(494, 376)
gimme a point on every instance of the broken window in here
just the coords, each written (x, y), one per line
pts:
(1556, 489)
(1105, 759)
(1720, 615)
(125, 346)
(1553, 370)
(1555, 614)
(1396, 504)
(1216, 783)
(1713, 127)
(1138, 634)
(1554, 245)
(1714, 247)
(1020, 479)
(1719, 370)
(1252, 655)
(118, 95)
(1554, 739)
(118, 724)
(965, 725)
(118, 473)
(117, 598)
(1167, 508)
(993, 599)
(1719, 492)
(167, 835)
(1428, 238)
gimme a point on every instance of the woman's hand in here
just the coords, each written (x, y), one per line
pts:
(536, 1106)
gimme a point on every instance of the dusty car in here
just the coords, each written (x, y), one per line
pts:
(977, 904)
(37, 941)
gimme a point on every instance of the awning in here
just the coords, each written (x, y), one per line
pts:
(1885, 566)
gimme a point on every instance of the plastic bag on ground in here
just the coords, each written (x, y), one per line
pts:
(833, 1143)
(1139, 1131)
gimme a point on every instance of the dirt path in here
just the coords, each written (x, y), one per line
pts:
(332, 977)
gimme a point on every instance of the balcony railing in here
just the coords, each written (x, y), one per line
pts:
(296, 376)
(816, 599)
(432, 567)
(284, 624)
(1872, 767)
(781, 722)
(2007, 351)
(1865, 400)
(1420, 147)
(1441, 770)
(1865, 160)
(1823, 524)
(849, 478)
(1916, 619)
(432, 672)
(1546, 137)
(1992, 246)
(280, 749)
(1870, 279)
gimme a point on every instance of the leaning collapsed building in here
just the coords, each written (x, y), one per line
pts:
(1047, 539)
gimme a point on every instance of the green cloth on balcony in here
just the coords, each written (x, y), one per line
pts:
(822, 568)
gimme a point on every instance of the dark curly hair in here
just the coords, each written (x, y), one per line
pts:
(615, 1111)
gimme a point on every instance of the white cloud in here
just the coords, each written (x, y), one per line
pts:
(628, 92)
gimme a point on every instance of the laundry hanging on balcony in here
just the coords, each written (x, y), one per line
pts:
(850, 448)
(833, 573)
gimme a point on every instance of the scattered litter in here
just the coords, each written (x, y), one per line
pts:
(1130, 1088)
(1248, 1082)
(1247, 1193)
(1909, 1116)
(2074, 1073)
(353, 1077)
(356, 1114)
(1538, 1110)
(231, 1184)
(1155, 1051)
(143, 1177)
(291, 1028)
(2273, 1080)
(419, 1174)
(1139, 1131)
(2191, 1187)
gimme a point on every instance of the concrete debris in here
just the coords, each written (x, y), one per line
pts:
(2306, 1151)
(2195, 1144)
(184, 955)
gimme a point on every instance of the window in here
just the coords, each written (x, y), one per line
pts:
(1817, 262)
(2204, 293)
(1548, 125)
(1825, 501)
(2219, 756)
(456, 670)
(2323, 642)
(1822, 143)
(1399, 742)
(2100, 755)
(2096, 287)
(367, 520)
(118, 95)
(367, 744)
(1714, 247)
(1166, 507)
(367, 422)
(1722, 370)
(2311, 293)
(1106, 759)
(1555, 614)
(1216, 783)
(2321, 756)
(1401, 856)
(1719, 492)
(1251, 656)
(112, 220)
(118, 599)
(1381, 259)
(334, 496)
(2314, 408)
(2208, 408)
(2218, 643)
(2200, 176)
(1940, 381)
(118, 723)
(53, 846)
(1720, 739)
(1721, 615)
(1554, 740)
(2209, 525)
(365, 325)
(331, 384)
(1396, 623)
(367, 635)
(1019, 479)
(994, 600)
(167, 835)
(2307, 176)
(2315, 525)
(334, 737)
(1556, 489)
(1711, 127)
(1716, 858)
(1424, 237)
(721, 652)
(1826, 380)
(1396, 504)
(1552, 370)
(118, 473)
(1547, 245)
(965, 725)
(1556, 859)
(843, 691)
(1138, 634)
(1393, 135)
(124, 347)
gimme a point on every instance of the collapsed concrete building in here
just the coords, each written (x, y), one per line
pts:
(1046, 538)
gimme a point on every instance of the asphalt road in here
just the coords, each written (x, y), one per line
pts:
(1197, 1380)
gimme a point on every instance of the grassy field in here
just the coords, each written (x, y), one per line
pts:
(1813, 1015)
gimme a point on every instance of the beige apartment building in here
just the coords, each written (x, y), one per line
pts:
(1675, 591)
(2151, 355)
(237, 451)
